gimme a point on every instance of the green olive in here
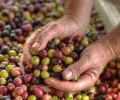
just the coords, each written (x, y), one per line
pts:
(44, 74)
(68, 60)
(2, 57)
(32, 97)
(2, 81)
(85, 97)
(12, 53)
(85, 42)
(4, 74)
(9, 68)
(36, 73)
(56, 41)
(57, 68)
(51, 53)
(46, 61)
(35, 60)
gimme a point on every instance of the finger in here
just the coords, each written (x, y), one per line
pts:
(77, 68)
(43, 38)
(65, 86)
(27, 47)
(87, 80)
(47, 89)
(21, 64)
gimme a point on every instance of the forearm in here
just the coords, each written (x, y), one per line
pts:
(79, 10)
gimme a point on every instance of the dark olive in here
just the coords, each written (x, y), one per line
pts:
(5, 13)
(7, 27)
(5, 49)
(6, 33)
(13, 36)
(51, 45)
(35, 80)
(2, 67)
(6, 98)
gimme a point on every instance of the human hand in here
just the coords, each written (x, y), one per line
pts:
(61, 28)
(88, 68)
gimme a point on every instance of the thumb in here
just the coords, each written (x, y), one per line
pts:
(44, 37)
(77, 68)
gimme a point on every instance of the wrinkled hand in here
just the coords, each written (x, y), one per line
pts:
(61, 28)
(92, 61)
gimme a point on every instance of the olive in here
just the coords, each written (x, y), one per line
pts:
(56, 61)
(85, 42)
(66, 50)
(4, 74)
(2, 24)
(7, 27)
(45, 61)
(35, 80)
(56, 41)
(71, 46)
(57, 68)
(13, 36)
(43, 53)
(78, 48)
(24, 7)
(32, 97)
(6, 98)
(51, 45)
(54, 97)
(74, 55)
(12, 53)
(56, 75)
(9, 68)
(2, 67)
(35, 60)
(2, 81)
(85, 97)
(99, 26)
(5, 49)
(69, 96)
(68, 60)
(37, 22)
(6, 33)
(9, 44)
(5, 13)
(36, 73)
(44, 74)
(51, 53)
(2, 57)
(68, 40)
(10, 80)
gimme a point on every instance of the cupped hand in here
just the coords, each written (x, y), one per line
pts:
(66, 26)
(88, 68)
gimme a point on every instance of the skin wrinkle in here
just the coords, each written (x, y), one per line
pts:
(95, 57)
(64, 28)
(83, 84)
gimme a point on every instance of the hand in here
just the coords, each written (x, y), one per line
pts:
(88, 68)
(61, 28)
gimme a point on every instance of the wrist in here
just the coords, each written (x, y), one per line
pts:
(75, 25)
(110, 46)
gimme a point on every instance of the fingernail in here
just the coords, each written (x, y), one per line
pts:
(67, 75)
(35, 45)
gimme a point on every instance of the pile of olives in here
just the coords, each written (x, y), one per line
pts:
(18, 19)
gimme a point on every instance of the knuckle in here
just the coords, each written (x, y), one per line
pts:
(76, 69)
(93, 74)
(55, 26)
